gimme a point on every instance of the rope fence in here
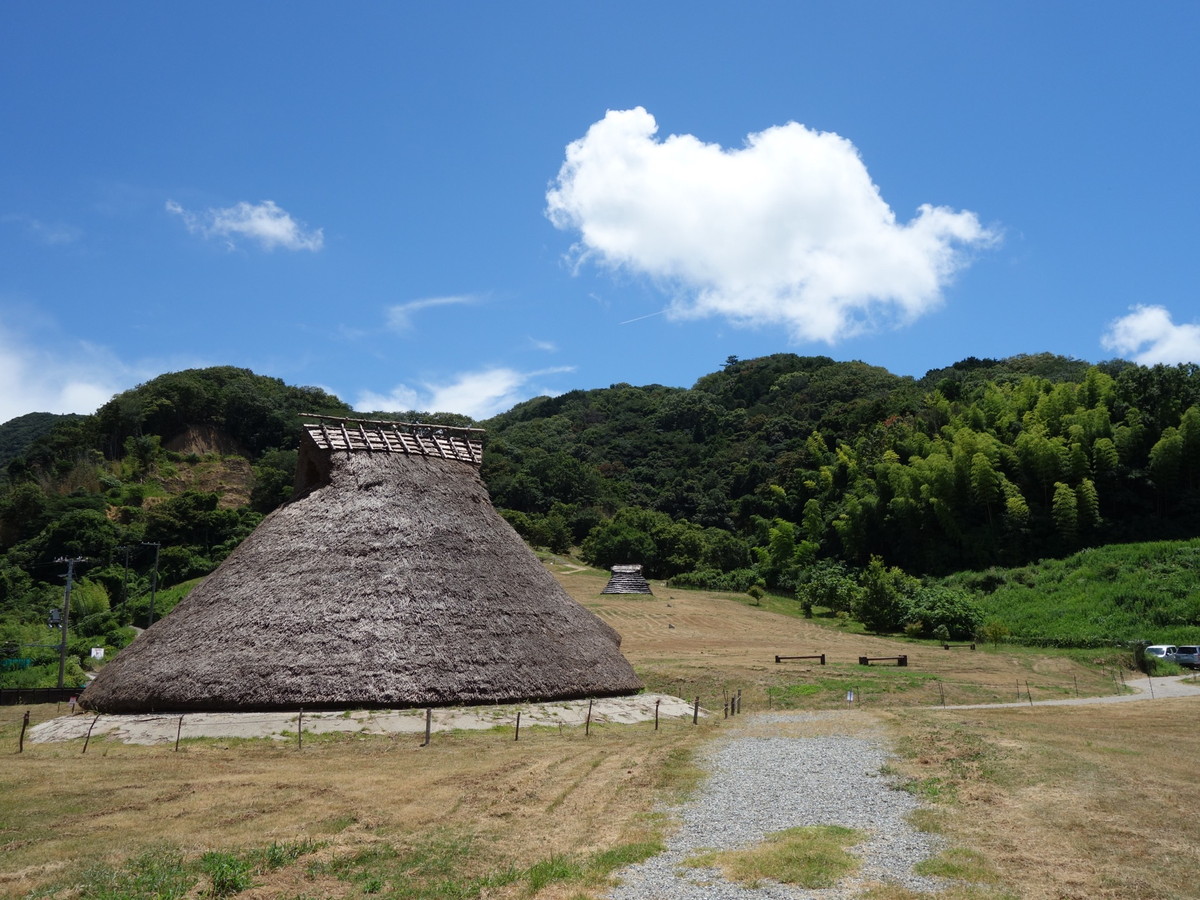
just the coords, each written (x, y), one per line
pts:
(424, 724)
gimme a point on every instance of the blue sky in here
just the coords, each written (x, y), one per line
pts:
(456, 207)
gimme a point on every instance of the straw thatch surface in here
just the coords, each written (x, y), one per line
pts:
(627, 580)
(390, 582)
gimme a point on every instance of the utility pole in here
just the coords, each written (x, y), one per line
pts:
(66, 616)
(153, 578)
(124, 584)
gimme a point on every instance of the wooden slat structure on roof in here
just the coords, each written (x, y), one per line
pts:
(382, 436)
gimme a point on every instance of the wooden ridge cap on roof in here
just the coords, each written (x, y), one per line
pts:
(384, 436)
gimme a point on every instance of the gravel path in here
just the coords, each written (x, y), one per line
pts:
(762, 782)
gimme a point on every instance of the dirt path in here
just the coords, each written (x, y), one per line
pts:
(1162, 688)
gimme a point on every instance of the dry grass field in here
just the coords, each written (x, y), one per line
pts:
(1033, 801)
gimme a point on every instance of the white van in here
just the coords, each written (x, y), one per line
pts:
(1162, 651)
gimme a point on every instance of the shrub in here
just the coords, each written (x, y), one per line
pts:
(945, 613)
(737, 581)
(993, 631)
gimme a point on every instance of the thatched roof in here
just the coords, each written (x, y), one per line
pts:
(627, 580)
(390, 581)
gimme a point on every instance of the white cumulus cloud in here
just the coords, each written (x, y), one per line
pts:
(478, 394)
(1148, 336)
(264, 223)
(788, 230)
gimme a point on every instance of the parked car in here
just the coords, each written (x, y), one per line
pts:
(1162, 651)
(1188, 655)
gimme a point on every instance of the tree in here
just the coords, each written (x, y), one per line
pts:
(882, 603)
(985, 483)
(1104, 458)
(1088, 505)
(1065, 512)
(1166, 464)
(949, 610)
(618, 543)
(827, 584)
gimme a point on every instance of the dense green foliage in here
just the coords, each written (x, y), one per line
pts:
(802, 458)
(103, 490)
(848, 487)
(17, 434)
(1097, 597)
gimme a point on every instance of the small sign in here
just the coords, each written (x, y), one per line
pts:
(849, 696)
(97, 653)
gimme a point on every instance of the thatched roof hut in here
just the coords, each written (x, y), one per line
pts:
(388, 581)
(627, 580)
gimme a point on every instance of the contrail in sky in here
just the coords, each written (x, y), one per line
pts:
(639, 318)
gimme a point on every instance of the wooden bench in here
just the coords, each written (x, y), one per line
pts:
(957, 646)
(898, 660)
(820, 656)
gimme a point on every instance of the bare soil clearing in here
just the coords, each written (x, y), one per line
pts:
(164, 729)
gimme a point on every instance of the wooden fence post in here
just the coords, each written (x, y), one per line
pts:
(24, 725)
(87, 739)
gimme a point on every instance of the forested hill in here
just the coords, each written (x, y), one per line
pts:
(16, 435)
(796, 459)
(775, 471)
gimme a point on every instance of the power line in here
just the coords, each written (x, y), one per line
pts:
(66, 616)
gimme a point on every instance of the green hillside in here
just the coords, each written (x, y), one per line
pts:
(1097, 597)
(16, 435)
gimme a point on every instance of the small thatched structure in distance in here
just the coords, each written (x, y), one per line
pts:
(389, 581)
(627, 580)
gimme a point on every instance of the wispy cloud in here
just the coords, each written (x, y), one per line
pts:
(479, 394)
(1148, 336)
(264, 223)
(544, 346)
(399, 317)
(49, 233)
(788, 230)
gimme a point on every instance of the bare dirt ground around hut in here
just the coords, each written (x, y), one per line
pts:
(166, 728)
(1039, 801)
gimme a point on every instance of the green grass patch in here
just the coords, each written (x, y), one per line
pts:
(876, 682)
(813, 856)
(959, 864)
(165, 873)
(159, 874)
(605, 861)
(448, 865)
(680, 776)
